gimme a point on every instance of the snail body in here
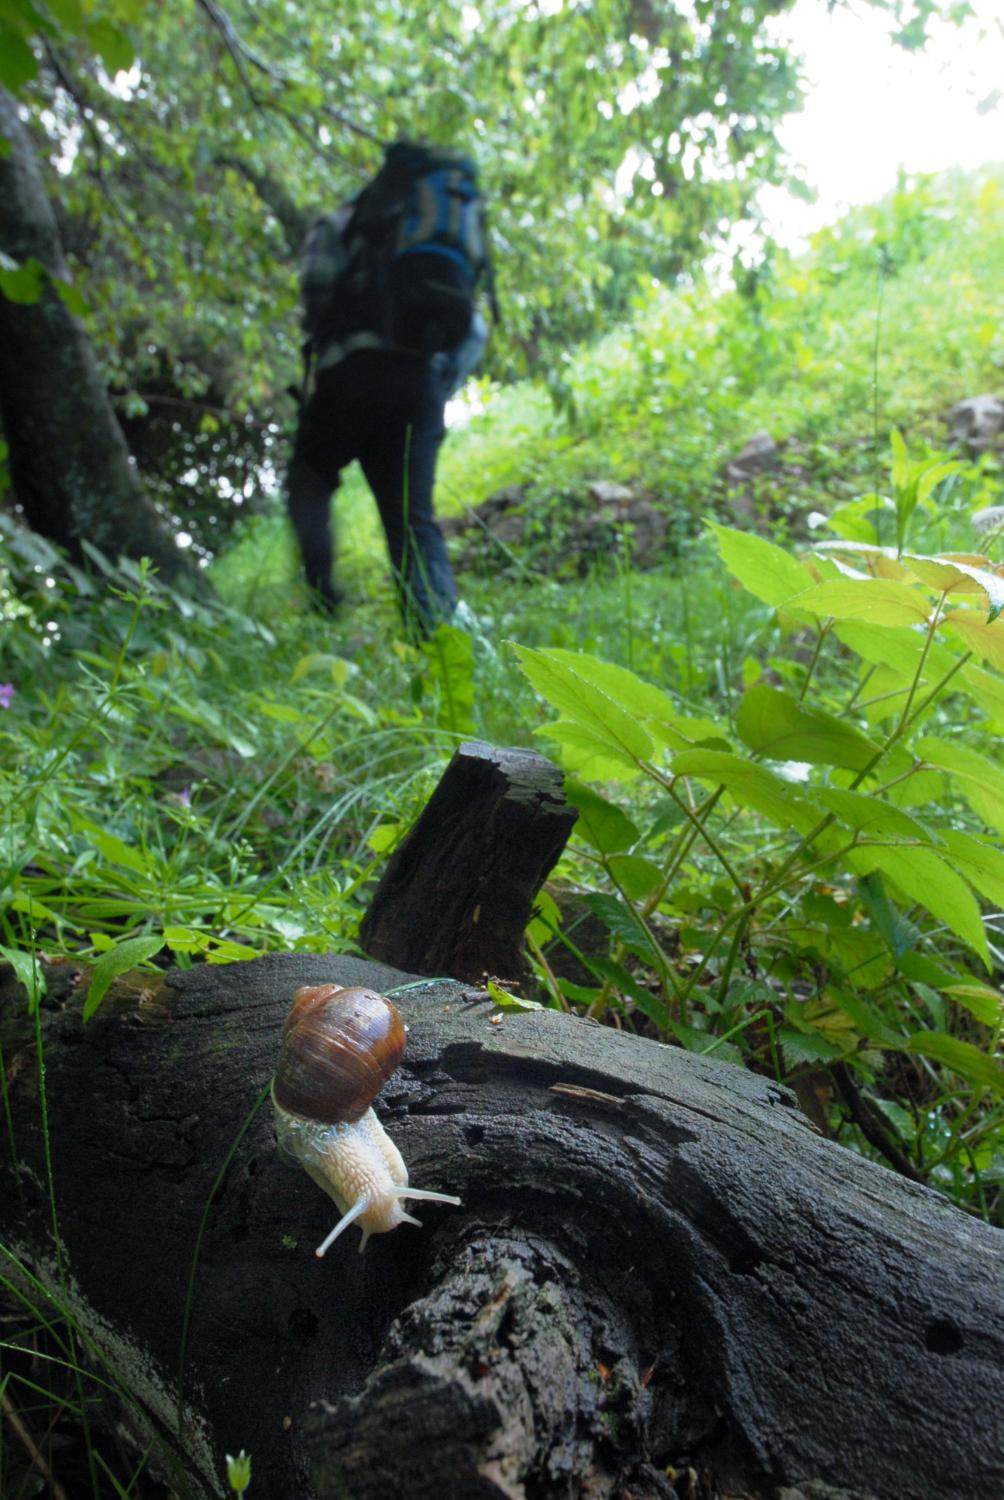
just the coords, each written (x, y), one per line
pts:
(338, 1048)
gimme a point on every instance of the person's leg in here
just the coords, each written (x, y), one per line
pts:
(321, 450)
(400, 468)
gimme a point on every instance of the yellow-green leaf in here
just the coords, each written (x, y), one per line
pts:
(768, 572)
(880, 601)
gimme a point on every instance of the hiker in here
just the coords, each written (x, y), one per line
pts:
(389, 283)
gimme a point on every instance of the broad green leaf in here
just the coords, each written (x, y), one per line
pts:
(984, 638)
(624, 924)
(979, 1000)
(23, 284)
(879, 601)
(925, 877)
(979, 779)
(768, 572)
(981, 863)
(573, 694)
(960, 574)
(631, 692)
(896, 648)
(774, 724)
(856, 520)
(18, 65)
(600, 823)
(899, 935)
(985, 689)
(115, 850)
(70, 296)
(581, 755)
(112, 45)
(870, 815)
(637, 877)
(118, 960)
(959, 1057)
(751, 786)
(29, 973)
(654, 709)
(808, 1047)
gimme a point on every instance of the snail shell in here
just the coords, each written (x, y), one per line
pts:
(338, 1047)
(337, 1050)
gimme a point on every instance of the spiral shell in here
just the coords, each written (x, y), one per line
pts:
(338, 1048)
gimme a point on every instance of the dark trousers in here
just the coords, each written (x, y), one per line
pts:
(386, 410)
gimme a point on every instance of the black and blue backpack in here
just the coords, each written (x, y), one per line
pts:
(416, 252)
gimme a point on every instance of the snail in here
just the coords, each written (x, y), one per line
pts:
(338, 1048)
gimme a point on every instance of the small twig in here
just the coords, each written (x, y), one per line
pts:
(871, 1124)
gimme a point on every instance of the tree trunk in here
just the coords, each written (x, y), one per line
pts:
(657, 1266)
(459, 889)
(70, 467)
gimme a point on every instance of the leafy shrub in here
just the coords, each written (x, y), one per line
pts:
(798, 883)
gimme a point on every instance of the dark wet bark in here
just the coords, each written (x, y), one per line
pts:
(657, 1264)
(458, 892)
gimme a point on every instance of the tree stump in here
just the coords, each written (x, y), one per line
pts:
(458, 891)
(657, 1266)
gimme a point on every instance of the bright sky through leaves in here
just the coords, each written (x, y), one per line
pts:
(873, 107)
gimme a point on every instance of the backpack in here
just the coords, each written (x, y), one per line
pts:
(415, 252)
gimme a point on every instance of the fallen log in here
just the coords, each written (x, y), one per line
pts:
(658, 1268)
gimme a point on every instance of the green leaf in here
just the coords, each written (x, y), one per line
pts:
(899, 934)
(29, 973)
(979, 1000)
(925, 877)
(895, 648)
(650, 1005)
(751, 786)
(112, 45)
(767, 571)
(23, 284)
(856, 521)
(569, 689)
(637, 877)
(979, 779)
(623, 923)
(118, 960)
(70, 296)
(600, 822)
(808, 1047)
(773, 724)
(959, 1057)
(18, 64)
(984, 638)
(869, 815)
(985, 689)
(981, 863)
(581, 755)
(879, 601)
(114, 849)
(506, 1000)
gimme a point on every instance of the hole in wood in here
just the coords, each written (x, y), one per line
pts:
(942, 1337)
(303, 1324)
(745, 1262)
(474, 1134)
